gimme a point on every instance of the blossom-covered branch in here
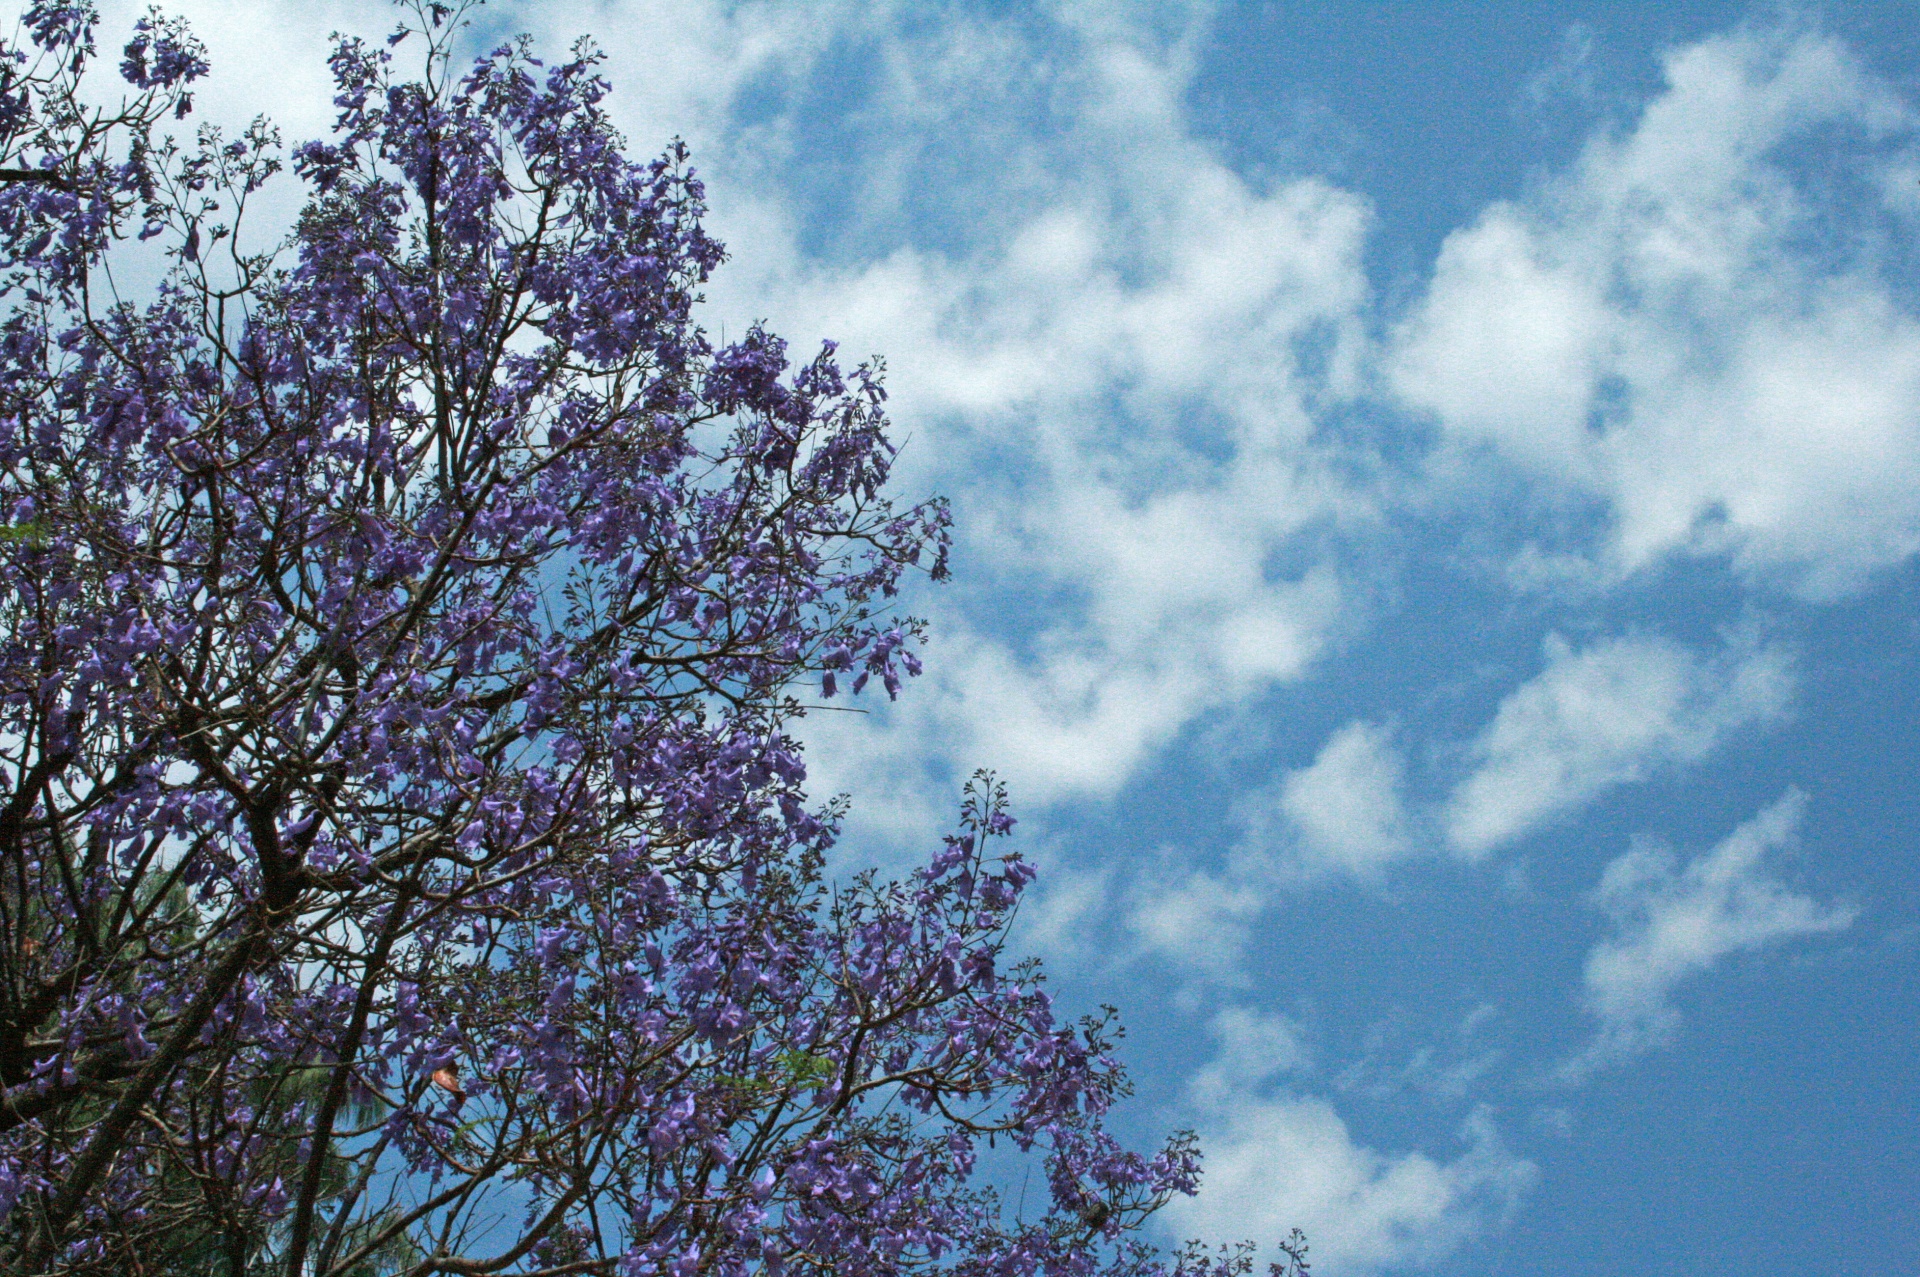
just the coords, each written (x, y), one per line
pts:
(405, 862)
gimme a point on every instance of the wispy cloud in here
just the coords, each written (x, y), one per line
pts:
(1673, 922)
(1201, 921)
(1344, 813)
(1604, 716)
(1341, 816)
(1619, 711)
(1276, 1160)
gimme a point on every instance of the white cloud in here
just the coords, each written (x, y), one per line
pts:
(1506, 346)
(1672, 923)
(1254, 1047)
(1201, 920)
(1611, 714)
(1672, 326)
(277, 67)
(1342, 814)
(1442, 1069)
(1064, 915)
(1276, 1160)
(1106, 380)
(1616, 712)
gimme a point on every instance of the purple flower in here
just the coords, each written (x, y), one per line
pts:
(407, 680)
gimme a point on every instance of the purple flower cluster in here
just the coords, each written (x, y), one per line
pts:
(405, 862)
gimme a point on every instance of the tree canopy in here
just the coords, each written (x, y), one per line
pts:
(405, 859)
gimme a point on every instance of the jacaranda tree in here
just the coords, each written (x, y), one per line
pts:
(405, 865)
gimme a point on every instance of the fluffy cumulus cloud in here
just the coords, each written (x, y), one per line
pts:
(1603, 716)
(1613, 713)
(1277, 1160)
(1104, 371)
(1344, 813)
(1674, 922)
(1252, 1047)
(1692, 327)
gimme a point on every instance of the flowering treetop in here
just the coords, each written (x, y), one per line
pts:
(405, 864)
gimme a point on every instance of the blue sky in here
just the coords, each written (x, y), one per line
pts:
(1439, 490)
